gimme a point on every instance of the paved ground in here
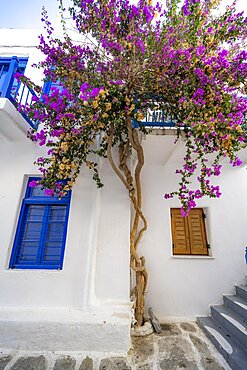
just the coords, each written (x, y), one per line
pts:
(179, 346)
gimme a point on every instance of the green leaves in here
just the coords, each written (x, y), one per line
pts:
(186, 60)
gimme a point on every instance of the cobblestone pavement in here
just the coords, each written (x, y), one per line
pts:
(179, 346)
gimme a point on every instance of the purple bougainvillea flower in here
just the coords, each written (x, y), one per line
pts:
(85, 86)
(49, 192)
(33, 184)
(181, 57)
(95, 91)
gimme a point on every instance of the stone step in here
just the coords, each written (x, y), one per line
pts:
(232, 322)
(241, 291)
(224, 341)
(237, 304)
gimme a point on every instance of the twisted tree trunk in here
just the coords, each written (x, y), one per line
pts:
(133, 185)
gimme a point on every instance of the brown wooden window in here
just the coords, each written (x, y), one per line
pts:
(188, 233)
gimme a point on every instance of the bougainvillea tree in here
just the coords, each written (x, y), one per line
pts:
(186, 59)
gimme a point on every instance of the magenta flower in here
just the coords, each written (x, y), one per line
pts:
(147, 13)
(95, 91)
(84, 87)
(57, 132)
(183, 212)
(171, 59)
(49, 192)
(33, 184)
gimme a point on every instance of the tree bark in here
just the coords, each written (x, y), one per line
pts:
(133, 185)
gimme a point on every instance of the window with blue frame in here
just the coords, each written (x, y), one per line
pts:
(41, 231)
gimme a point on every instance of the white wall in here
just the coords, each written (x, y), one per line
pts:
(90, 295)
(66, 288)
(22, 43)
(95, 276)
(185, 286)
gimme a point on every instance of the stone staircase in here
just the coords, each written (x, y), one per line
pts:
(227, 328)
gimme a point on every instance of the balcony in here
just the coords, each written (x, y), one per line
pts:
(12, 92)
(156, 117)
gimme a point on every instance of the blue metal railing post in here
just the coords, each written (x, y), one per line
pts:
(10, 91)
(9, 78)
(46, 87)
(246, 255)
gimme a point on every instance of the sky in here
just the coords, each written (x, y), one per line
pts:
(27, 13)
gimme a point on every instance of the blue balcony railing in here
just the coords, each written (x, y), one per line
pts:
(156, 115)
(21, 94)
(156, 118)
(16, 91)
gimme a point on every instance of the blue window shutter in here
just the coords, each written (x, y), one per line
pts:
(41, 231)
(42, 234)
(55, 234)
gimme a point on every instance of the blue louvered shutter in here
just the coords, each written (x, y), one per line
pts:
(54, 235)
(41, 232)
(28, 241)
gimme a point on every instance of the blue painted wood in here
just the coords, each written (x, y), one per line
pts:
(146, 123)
(46, 87)
(41, 231)
(10, 88)
(155, 118)
(156, 121)
(9, 78)
(7, 70)
(158, 118)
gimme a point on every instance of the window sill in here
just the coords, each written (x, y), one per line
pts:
(194, 257)
(34, 268)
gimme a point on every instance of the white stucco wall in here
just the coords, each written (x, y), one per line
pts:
(93, 287)
(89, 297)
(184, 286)
(88, 214)
(22, 43)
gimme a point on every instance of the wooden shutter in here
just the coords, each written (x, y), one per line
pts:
(180, 236)
(197, 234)
(188, 233)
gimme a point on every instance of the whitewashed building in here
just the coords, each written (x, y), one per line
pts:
(81, 301)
